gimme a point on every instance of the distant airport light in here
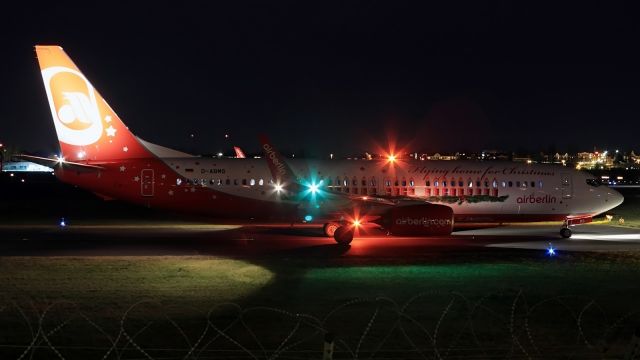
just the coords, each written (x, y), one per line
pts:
(308, 218)
(551, 251)
(63, 223)
(278, 187)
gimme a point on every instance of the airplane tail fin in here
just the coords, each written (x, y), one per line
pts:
(239, 153)
(87, 128)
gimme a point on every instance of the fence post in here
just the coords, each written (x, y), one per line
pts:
(634, 346)
(327, 353)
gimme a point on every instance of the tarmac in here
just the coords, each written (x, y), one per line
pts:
(166, 238)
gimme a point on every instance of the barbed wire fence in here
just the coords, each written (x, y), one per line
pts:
(427, 326)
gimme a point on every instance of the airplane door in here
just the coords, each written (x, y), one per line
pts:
(146, 183)
(566, 185)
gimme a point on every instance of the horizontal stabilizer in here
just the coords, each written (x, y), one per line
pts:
(59, 163)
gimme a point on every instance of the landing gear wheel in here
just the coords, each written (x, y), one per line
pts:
(343, 235)
(565, 233)
(330, 228)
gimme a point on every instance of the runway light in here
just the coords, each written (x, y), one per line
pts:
(63, 223)
(308, 218)
(551, 251)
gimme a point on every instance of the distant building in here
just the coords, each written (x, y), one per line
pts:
(24, 166)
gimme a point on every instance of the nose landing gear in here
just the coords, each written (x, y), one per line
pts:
(565, 232)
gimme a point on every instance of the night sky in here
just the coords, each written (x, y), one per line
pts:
(340, 77)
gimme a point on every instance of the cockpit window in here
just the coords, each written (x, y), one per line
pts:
(594, 182)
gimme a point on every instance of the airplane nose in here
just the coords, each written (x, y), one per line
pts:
(614, 197)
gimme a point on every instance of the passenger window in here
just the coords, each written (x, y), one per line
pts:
(540, 184)
(227, 182)
(427, 183)
(364, 182)
(486, 183)
(411, 183)
(235, 181)
(329, 182)
(478, 183)
(178, 181)
(470, 183)
(261, 182)
(435, 183)
(373, 181)
(494, 184)
(533, 184)
(524, 184)
(252, 182)
(354, 182)
(517, 183)
(444, 183)
(510, 183)
(460, 183)
(396, 183)
(404, 182)
(244, 181)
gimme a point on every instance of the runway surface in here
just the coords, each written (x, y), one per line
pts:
(210, 239)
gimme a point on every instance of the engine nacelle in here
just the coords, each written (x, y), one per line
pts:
(419, 220)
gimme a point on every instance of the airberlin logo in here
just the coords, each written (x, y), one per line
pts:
(273, 157)
(423, 221)
(547, 199)
(73, 106)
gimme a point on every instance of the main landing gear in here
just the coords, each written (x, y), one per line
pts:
(342, 234)
(330, 228)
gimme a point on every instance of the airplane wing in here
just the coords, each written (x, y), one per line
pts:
(283, 174)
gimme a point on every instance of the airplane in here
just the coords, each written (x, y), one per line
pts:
(239, 153)
(402, 196)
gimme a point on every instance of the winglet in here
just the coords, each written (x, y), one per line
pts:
(280, 170)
